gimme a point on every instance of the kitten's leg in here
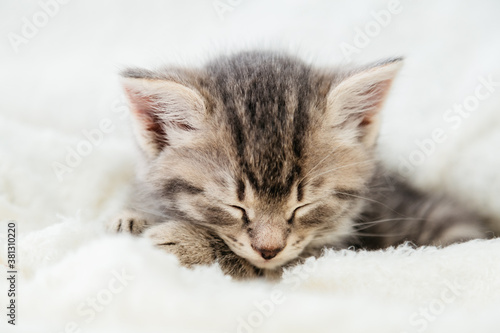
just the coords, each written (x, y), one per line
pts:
(194, 245)
(447, 223)
(459, 233)
(128, 221)
(401, 214)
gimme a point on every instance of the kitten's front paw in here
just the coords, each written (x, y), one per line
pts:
(196, 246)
(128, 221)
(192, 247)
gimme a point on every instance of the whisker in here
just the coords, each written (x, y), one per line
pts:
(366, 225)
(386, 220)
(328, 232)
(379, 235)
(356, 235)
(317, 164)
(371, 200)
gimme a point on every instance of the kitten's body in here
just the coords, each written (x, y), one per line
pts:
(258, 160)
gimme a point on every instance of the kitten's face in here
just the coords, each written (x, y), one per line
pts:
(203, 186)
(266, 152)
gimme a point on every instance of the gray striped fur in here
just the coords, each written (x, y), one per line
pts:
(260, 155)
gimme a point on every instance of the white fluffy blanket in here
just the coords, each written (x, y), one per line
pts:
(66, 160)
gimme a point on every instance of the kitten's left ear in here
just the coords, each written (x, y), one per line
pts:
(356, 101)
(165, 113)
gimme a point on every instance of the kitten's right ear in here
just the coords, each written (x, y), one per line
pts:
(165, 113)
(356, 101)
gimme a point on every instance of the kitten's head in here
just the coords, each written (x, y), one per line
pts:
(267, 152)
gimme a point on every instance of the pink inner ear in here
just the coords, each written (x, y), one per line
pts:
(144, 109)
(375, 97)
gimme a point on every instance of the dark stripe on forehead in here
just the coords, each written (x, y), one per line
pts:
(241, 190)
(266, 99)
(300, 191)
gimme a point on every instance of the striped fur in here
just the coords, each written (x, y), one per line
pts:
(258, 160)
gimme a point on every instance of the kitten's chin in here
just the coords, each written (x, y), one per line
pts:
(280, 260)
(268, 264)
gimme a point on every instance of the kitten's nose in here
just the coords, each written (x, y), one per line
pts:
(268, 253)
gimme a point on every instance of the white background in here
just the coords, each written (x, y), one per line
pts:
(64, 80)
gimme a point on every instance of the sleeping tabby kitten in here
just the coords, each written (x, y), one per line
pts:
(258, 160)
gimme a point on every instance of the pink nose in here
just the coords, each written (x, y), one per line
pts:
(268, 253)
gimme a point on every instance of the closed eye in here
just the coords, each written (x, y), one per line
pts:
(244, 216)
(291, 219)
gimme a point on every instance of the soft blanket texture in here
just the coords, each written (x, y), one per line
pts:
(67, 158)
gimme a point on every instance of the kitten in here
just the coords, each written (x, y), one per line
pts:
(258, 160)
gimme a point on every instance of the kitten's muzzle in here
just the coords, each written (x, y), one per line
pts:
(268, 253)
